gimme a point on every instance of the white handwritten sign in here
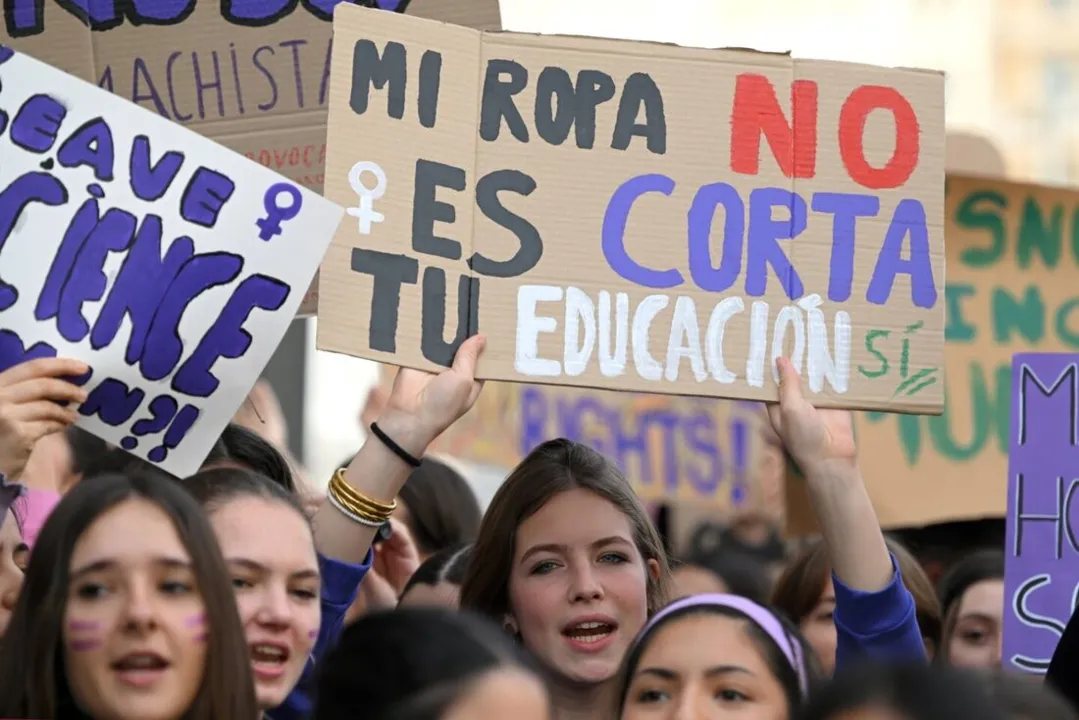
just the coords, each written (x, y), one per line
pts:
(170, 264)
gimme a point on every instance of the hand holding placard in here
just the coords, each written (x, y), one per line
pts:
(821, 441)
(425, 404)
(605, 231)
(35, 401)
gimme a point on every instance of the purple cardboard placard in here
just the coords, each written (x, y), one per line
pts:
(1042, 546)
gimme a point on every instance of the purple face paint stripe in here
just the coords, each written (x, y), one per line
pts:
(195, 620)
(84, 645)
(80, 625)
(312, 634)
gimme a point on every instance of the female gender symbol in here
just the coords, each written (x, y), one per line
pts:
(365, 211)
(270, 225)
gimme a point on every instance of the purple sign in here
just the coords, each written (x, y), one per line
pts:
(1042, 558)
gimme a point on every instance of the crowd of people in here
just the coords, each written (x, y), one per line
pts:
(244, 592)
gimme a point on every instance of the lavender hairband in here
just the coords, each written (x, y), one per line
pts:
(761, 616)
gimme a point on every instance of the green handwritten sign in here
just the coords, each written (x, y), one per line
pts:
(1013, 286)
(909, 383)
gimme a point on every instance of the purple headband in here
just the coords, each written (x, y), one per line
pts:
(761, 616)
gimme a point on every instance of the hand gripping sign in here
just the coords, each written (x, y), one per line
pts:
(635, 217)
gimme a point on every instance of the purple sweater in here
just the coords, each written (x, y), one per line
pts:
(340, 583)
(881, 625)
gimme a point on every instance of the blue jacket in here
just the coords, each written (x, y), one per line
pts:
(340, 583)
(881, 625)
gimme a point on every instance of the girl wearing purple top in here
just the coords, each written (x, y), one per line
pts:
(565, 562)
(875, 614)
(295, 577)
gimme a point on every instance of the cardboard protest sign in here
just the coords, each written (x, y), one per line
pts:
(1012, 268)
(605, 230)
(1042, 552)
(169, 264)
(696, 450)
(251, 74)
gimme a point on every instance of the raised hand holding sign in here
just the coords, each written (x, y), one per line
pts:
(575, 200)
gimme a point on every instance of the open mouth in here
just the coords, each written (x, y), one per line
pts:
(140, 669)
(589, 632)
(268, 659)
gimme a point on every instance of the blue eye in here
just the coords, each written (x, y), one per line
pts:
(614, 558)
(543, 568)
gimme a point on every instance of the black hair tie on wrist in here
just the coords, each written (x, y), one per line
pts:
(399, 451)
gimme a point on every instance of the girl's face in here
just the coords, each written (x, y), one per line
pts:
(503, 694)
(706, 667)
(14, 554)
(134, 632)
(578, 586)
(819, 628)
(975, 641)
(271, 557)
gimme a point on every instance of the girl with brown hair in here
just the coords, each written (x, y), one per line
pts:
(972, 599)
(569, 563)
(806, 594)
(715, 656)
(108, 628)
(295, 579)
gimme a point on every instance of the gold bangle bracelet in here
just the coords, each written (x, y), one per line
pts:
(354, 517)
(339, 479)
(348, 494)
(356, 501)
(349, 508)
